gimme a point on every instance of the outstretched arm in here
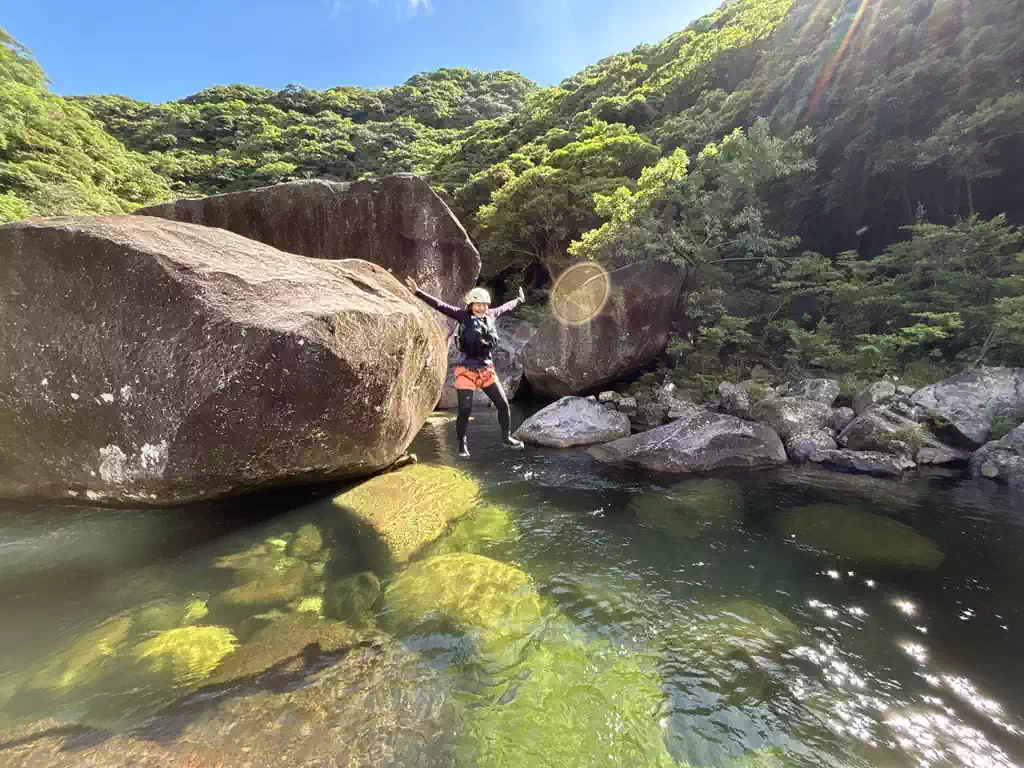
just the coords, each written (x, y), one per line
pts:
(444, 308)
(508, 306)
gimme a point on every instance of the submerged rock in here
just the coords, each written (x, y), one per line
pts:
(822, 390)
(724, 628)
(188, 654)
(262, 587)
(874, 394)
(574, 421)
(486, 527)
(351, 597)
(573, 704)
(691, 508)
(699, 444)
(1002, 460)
(859, 536)
(631, 331)
(211, 365)
(395, 515)
(308, 540)
(965, 405)
(83, 661)
(792, 415)
(494, 603)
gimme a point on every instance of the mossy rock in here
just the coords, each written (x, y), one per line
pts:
(351, 597)
(270, 586)
(282, 642)
(395, 515)
(573, 704)
(84, 660)
(862, 537)
(493, 603)
(484, 528)
(161, 615)
(307, 541)
(690, 508)
(188, 655)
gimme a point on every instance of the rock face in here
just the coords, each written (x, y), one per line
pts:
(1002, 460)
(396, 222)
(698, 444)
(735, 400)
(866, 462)
(513, 333)
(574, 421)
(791, 416)
(967, 403)
(876, 393)
(632, 329)
(823, 390)
(147, 361)
(841, 418)
(801, 447)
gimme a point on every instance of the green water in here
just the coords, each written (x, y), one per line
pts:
(792, 617)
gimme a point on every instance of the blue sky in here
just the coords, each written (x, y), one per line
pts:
(157, 51)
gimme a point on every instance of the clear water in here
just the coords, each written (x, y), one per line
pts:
(877, 664)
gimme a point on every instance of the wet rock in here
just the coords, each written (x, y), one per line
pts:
(965, 405)
(867, 462)
(493, 603)
(735, 400)
(689, 509)
(874, 394)
(1002, 460)
(822, 390)
(83, 661)
(801, 447)
(791, 415)
(485, 528)
(841, 418)
(188, 654)
(573, 421)
(308, 540)
(513, 333)
(285, 639)
(699, 444)
(393, 516)
(199, 363)
(397, 222)
(351, 598)
(575, 704)
(632, 329)
(859, 536)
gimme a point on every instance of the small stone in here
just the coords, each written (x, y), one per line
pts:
(308, 540)
(989, 470)
(903, 389)
(876, 393)
(609, 397)
(628, 405)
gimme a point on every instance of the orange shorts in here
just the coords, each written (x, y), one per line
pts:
(474, 378)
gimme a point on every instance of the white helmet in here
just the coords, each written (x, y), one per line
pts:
(478, 296)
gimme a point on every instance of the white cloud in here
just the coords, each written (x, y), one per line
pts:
(415, 6)
(336, 8)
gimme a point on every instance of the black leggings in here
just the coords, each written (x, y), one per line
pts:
(496, 395)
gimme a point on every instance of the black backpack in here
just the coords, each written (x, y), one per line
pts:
(469, 334)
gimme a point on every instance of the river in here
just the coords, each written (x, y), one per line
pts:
(788, 617)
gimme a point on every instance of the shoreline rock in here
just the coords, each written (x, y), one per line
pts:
(574, 421)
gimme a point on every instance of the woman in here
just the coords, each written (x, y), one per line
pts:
(475, 370)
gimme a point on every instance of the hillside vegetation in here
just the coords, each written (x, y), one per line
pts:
(840, 178)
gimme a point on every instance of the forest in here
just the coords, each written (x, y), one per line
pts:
(841, 179)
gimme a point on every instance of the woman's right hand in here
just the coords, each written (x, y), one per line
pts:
(412, 284)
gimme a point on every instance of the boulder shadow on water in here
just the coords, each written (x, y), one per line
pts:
(862, 537)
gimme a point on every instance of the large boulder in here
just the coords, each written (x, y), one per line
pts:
(631, 330)
(702, 443)
(873, 395)
(1002, 460)
(790, 416)
(397, 222)
(886, 430)
(574, 421)
(965, 405)
(513, 334)
(153, 362)
(823, 390)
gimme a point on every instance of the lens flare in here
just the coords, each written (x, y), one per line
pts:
(830, 69)
(580, 293)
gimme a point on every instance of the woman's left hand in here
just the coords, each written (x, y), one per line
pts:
(522, 296)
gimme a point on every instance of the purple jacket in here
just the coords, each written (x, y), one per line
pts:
(462, 315)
